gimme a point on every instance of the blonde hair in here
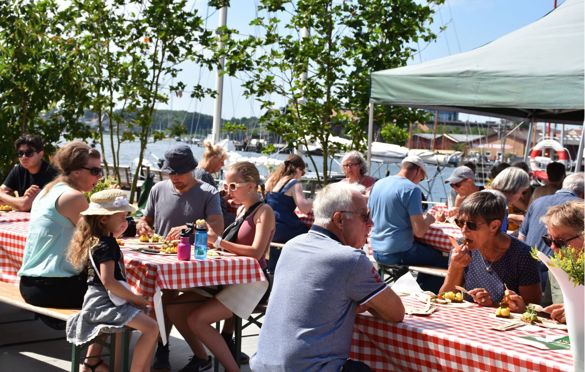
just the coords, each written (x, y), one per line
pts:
(86, 235)
(569, 214)
(248, 172)
(71, 157)
(211, 151)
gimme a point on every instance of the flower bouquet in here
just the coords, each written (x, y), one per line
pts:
(566, 266)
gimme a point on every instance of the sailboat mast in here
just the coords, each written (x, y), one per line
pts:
(219, 83)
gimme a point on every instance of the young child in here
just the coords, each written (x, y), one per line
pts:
(95, 234)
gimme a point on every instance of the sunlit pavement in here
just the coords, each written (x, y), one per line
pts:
(34, 347)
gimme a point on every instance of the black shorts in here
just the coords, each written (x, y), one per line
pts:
(65, 293)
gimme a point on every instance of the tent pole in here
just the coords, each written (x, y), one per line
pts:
(370, 133)
(580, 153)
(528, 140)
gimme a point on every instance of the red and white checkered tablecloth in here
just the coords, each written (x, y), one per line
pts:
(14, 216)
(144, 271)
(451, 339)
(438, 234)
(12, 240)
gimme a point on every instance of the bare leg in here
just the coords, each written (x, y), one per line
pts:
(200, 321)
(178, 310)
(93, 358)
(144, 348)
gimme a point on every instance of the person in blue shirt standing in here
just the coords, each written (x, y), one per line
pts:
(396, 206)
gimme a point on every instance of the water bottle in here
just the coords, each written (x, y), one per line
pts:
(184, 247)
(200, 240)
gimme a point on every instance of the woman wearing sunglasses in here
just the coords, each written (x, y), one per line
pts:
(46, 277)
(250, 235)
(284, 194)
(489, 261)
(564, 225)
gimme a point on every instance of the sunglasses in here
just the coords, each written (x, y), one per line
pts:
(548, 240)
(95, 171)
(26, 154)
(457, 185)
(232, 186)
(365, 216)
(470, 224)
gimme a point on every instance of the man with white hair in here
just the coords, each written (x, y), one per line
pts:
(322, 279)
(396, 206)
(533, 229)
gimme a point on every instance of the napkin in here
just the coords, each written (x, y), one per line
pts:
(406, 284)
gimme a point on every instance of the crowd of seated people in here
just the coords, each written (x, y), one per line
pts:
(488, 262)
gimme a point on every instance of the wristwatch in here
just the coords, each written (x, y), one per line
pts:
(217, 242)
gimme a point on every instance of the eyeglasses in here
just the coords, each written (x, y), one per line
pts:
(27, 153)
(365, 216)
(232, 186)
(457, 185)
(95, 171)
(470, 224)
(548, 240)
(349, 165)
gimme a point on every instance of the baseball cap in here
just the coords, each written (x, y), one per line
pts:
(459, 174)
(416, 160)
(179, 160)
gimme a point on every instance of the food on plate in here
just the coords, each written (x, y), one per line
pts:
(5, 208)
(155, 238)
(169, 246)
(120, 242)
(503, 311)
(448, 297)
(144, 238)
(530, 316)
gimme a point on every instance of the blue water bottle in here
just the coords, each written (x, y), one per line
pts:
(200, 240)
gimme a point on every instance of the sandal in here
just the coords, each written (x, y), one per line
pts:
(93, 367)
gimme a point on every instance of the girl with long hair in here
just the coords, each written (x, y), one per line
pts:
(108, 303)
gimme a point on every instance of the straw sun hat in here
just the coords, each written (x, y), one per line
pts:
(108, 202)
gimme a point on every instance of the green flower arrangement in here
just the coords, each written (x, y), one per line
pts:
(570, 260)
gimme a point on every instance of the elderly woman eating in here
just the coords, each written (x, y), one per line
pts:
(564, 224)
(489, 261)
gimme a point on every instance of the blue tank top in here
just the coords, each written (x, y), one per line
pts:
(49, 234)
(288, 224)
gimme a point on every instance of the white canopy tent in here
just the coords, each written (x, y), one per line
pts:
(535, 73)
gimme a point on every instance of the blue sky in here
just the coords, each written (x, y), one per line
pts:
(470, 24)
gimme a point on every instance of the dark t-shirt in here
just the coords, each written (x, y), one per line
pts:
(19, 179)
(106, 250)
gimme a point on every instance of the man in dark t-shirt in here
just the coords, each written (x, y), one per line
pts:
(27, 178)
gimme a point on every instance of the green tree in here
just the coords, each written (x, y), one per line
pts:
(41, 85)
(135, 48)
(323, 75)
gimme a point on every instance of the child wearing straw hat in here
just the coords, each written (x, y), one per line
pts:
(108, 302)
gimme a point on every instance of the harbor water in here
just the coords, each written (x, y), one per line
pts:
(433, 186)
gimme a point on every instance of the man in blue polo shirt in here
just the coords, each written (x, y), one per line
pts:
(322, 280)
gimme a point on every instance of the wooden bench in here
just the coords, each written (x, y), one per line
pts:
(10, 295)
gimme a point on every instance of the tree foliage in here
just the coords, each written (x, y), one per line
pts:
(41, 85)
(317, 57)
(116, 58)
